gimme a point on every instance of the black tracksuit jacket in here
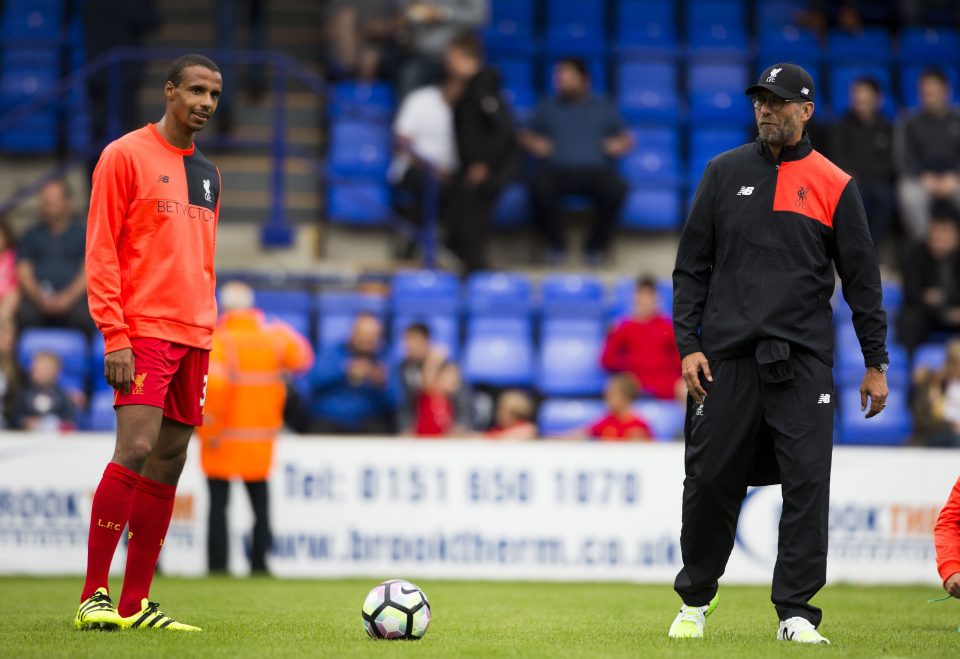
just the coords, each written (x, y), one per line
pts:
(757, 253)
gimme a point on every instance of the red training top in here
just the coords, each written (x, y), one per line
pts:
(647, 350)
(151, 237)
(610, 428)
(946, 535)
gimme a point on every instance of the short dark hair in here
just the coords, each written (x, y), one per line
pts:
(578, 64)
(646, 281)
(468, 42)
(418, 328)
(936, 74)
(175, 72)
(871, 82)
(942, 210)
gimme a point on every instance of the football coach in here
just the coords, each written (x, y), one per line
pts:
(752, 285)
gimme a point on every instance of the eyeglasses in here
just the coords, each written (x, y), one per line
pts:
(775, 103)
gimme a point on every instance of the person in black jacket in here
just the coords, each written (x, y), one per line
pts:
(489, 155)
(753, 323)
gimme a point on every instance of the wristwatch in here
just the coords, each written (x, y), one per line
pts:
(881, 367)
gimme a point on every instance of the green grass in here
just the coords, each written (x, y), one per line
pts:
(263, 617)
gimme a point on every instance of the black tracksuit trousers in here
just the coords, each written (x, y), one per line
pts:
(742, 420)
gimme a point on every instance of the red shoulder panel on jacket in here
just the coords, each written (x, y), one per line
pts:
(811, 187)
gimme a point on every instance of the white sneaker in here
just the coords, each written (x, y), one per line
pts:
(799, 630)
(691, 619)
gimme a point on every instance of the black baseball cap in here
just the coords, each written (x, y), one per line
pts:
(788, 81)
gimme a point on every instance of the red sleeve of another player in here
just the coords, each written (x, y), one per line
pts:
(946, 535)
(109, 206)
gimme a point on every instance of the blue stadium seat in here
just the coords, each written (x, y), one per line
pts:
(910, 76)
(359, 148)
(283, 300)
(511, 27)
(96, 364)
(523, 102)
(571, 30)
(707, 143)
(665, 417)
(516, 73)
(841, 77)
(424, 291)
(655, 158)
(788, 43)
(569, 363)
(647, 91)
(717, 26)
(930, 356)
(23, 73)
(849, 359)
(647, 26)
(32, 20)
(513, 207)
(353, 101)
(572, 296)
(69, 345)
(928, 45)
(715, 93)
(358, 202)
(497, 294)
(499, 352)
(871, 45)
(597, 66)
(890, 428)
(102, 417)
(444, 331)
(557, 416)
(337, 310)
(892, 297)
(776, 14)
(653, 209)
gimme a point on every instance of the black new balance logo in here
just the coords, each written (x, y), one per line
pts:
(163, 178)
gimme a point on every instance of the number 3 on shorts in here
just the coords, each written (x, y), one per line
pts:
(203, 394)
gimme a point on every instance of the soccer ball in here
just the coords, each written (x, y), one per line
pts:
(396, 609)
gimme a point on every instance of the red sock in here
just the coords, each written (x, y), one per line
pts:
(149, 519)
(108, 516)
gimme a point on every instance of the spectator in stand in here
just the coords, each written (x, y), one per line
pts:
(416, 348)
(9, 287)
(643, 345)
(43, 405)
(862, 144)
(350, 384)
(361, 37)
(927, 153)
(936, 401)
(513, 417)
(620, 423)
(578, 137)
(437, 402)
(931, 280)
(487, 149)
(425, 147)
(50, 266)
(427, 28)
(9, 371)
(228, 28)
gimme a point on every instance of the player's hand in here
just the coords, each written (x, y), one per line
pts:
(691, 366)
(952, 584)
(874, 387)
(118, 369)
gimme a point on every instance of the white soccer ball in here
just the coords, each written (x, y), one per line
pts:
(396, 609)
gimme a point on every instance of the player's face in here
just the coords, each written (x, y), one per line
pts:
(195, 99)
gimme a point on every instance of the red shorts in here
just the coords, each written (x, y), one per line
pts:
(170, 376)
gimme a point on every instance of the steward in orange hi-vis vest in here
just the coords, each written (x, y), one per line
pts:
(246, 393)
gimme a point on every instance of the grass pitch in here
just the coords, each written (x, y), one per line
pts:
(275, 618)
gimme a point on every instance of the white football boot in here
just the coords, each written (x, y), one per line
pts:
(799, 630)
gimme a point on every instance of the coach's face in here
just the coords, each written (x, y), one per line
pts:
(195, 99)
(785, 124)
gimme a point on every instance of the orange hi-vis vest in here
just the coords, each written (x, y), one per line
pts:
(243, 411)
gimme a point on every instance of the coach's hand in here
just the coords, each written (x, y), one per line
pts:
(691, 366)
(874, 387)
(118, 369)
(952, 584)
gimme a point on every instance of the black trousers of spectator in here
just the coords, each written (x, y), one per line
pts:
(217, 537)
(879, 203)
(468, 223)
(602, 185)
(76, 317)
(723, 442)
(916, 323)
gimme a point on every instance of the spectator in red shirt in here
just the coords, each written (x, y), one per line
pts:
(514, 417)
(437, 401)
(946, 538)
(621, 423)
(643, 345)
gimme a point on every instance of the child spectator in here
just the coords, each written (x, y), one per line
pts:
(514, 417)
(936, 405)
(9, 287)
(437, 403)
(43, 405)
(620, 423)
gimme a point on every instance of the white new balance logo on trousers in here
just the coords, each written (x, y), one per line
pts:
(824, 399)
